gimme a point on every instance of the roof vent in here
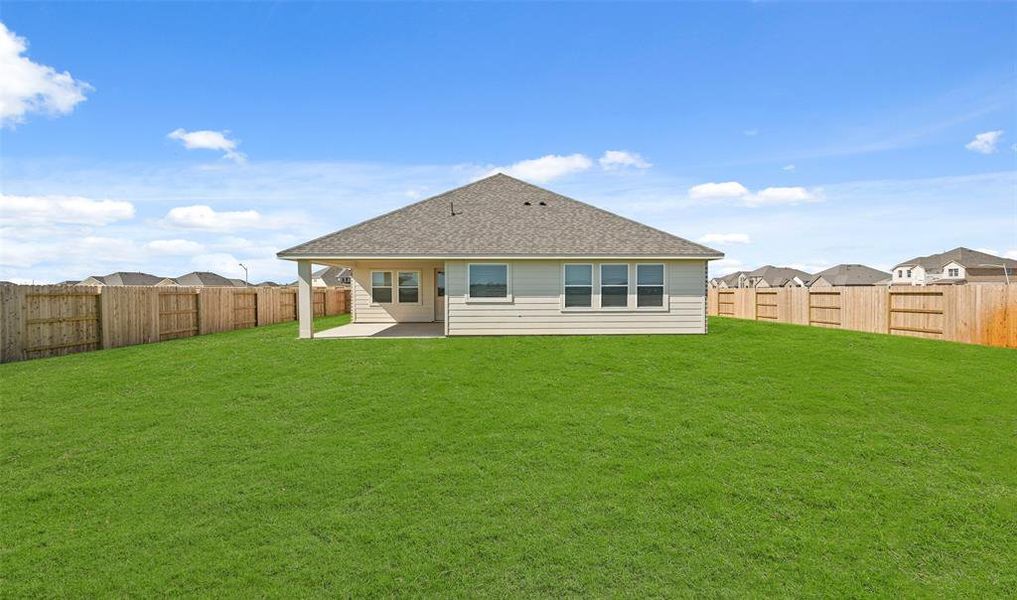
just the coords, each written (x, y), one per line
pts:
(526, 204)
(542, 203)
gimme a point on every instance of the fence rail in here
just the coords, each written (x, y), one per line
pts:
(51, 320)
(975, 314)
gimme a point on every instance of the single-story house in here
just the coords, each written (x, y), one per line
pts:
(122, 278)
(331, 277)
(957, 266)
(203, 279)
(850, 275)
(500, 256)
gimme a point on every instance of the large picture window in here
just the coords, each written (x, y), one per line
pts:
(381, 287)
(649, 286)
(488, 281)
(614, 286)
(578, 286)
(409, 287)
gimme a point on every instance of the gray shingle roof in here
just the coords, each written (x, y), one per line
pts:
(777, 276)
(963, 256)
(499, 216)
(852, 275)
(203, 278)
(128, 278)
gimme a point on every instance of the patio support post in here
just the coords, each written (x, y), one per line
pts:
(305, 310)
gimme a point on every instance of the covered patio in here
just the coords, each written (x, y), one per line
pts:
(384, 330)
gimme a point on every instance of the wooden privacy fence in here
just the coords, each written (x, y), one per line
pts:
(975, 314)
(50, 320)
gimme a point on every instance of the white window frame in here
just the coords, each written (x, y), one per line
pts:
(392, 287)
(508, 284)
(664, 301)
(593, 288)
(628, 287)
(419, 286)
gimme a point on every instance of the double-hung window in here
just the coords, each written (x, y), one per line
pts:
(409, 287)
(954, 273)
(487, 281)
(578, 286)
(381, 287)
(614, 285)
(650, 286)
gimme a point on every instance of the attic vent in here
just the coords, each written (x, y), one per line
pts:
(542, 203)
(526, 204)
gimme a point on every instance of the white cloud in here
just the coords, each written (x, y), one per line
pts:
(782, 195)
(37, 210)
(719, 268)
(789, 167)
(547, 168)
(718, 191)
(201, 216)
(30, 87)
(618, 159)
(725, 238)
(985, 143)
(175, 247)
(1011, 254)
(209, 140)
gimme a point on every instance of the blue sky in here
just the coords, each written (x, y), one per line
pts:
(799, 134)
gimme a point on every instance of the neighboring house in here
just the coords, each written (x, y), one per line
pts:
(122, 278)
(203, 279)
(850, 275)
(732, 280)
(70, 282)
(331, 277)
(267, 284)
(957, 266)
(770, 276)
(501, 256)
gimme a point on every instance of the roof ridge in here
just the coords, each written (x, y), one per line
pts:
(395, 210)
(602, 210)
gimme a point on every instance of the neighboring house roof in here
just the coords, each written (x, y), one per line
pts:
(962, 256)
(732, 278)
(778, 276)
(499, 216)
(127, 278)
(67, 282)
(239, 283)
(332, 276)
(204, 278)
(267, 284)
(852, 274)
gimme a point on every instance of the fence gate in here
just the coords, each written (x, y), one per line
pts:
(726, 303)
(245, 310)
(914, 313)
(62, 322)
(824, 308)
(766, 305)
(178, 315)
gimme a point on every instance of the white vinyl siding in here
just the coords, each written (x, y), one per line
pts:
(365, 311)
(537, 303)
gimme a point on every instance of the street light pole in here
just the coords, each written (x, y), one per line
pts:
(242, 266)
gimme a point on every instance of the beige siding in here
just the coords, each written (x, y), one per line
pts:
(364, 311)
(536, 306)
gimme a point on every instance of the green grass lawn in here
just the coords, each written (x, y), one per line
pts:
(761, 460)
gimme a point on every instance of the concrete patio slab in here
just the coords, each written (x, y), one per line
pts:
(384, 330)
